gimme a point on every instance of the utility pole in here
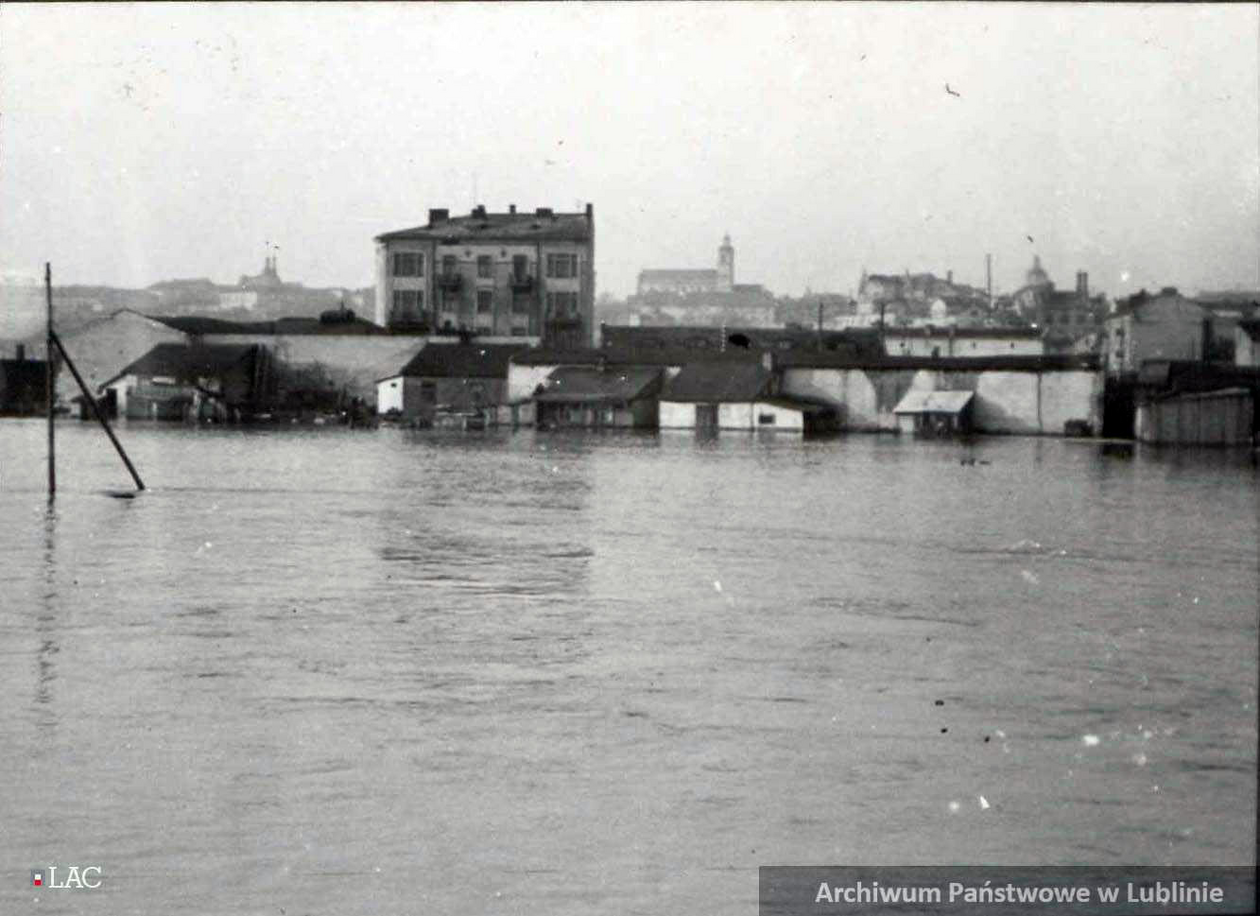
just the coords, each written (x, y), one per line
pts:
(50, 386)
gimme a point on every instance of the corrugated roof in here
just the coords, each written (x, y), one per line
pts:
(589, 385)
(714, 383)
(934, 402)
(462, 360)
(188, 363)
(547, 227)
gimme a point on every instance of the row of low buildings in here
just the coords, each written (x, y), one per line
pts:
(745, 379)
(492, 314)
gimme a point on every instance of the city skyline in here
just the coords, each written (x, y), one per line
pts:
(146, 143)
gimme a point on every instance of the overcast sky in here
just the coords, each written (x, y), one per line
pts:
(145, 142)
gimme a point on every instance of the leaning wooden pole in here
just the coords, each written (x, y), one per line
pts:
(50, 386)
(87, 396)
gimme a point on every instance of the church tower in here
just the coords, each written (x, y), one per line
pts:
(726, 265)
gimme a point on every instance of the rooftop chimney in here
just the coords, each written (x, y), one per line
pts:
(21, 352)
(479, 211)
(949, 277)
(1082, 285)
(543, 211)
(590, 211)
(511, 208)
(439, 216)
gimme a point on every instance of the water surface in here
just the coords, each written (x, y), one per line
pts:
(380, 672)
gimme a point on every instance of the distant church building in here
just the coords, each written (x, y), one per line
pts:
(683, 281)
(702, 296)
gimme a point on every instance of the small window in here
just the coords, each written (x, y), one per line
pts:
(408, 264)
(765, 419)
(485, 300)
(407, 300)
(485, 268)
(520, 266)
(428, 392)
(562, 266)
(449, 264)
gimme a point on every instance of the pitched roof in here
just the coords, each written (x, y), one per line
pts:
(547, 226)
(710, 382)
(462, 360)
(199, 324)
(587, 385)
(188, 363)
(629, 356)
(933, 402)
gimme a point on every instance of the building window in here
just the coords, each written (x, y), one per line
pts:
(485, 269)
(485, 301)
(428, 392)
(562, 305)
(408, 264)
(449, 265)
(520, 306)
(765, 419)
(520, 266)
(483, 328)
(520, 332)
(407, 300)
(562, 266)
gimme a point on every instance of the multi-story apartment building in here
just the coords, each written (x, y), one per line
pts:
(514, 274)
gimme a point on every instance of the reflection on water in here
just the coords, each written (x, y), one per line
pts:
(552, 673)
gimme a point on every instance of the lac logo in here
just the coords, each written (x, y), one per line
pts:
(62, 877)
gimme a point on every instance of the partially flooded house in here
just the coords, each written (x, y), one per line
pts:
(179, 382)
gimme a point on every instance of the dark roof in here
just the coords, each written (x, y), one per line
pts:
(462, 360)
(804, 359)
(533, 226)
(709, 382)
(706, 338)
(592, 385)
(189, 363)
(627, 356)
(1194, 376)
(198, 324)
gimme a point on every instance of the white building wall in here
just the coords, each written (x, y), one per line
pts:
(961, 345)
(1246, 353)
(676, 415)
(735, 416)
(784, 418)
(389, 394)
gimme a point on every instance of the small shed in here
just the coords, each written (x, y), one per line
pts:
(1224, 417)
(599, 397)
(935, 413)
(459, 377)
(710, 395)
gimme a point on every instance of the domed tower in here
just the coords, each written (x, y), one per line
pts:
(726, 265)
(1036, 276)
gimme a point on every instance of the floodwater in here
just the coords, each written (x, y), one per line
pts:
(330, 671)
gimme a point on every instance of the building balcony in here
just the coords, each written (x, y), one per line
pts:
(523, 284)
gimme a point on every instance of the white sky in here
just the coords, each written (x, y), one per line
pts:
(144, 142)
